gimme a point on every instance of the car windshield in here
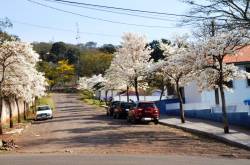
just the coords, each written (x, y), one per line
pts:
(43, 108)
(146, 105)
(127, 105)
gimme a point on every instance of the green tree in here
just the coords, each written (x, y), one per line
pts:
(43, 49)
(94, 62)
(59, 49)
(157, 53)
(108, 48)
(72, 55)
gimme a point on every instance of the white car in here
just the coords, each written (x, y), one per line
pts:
(44, 112)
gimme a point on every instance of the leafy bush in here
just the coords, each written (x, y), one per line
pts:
(86, 94)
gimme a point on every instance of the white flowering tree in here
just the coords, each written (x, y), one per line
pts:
(114, 80)
(214, 73)
(90, 83)
(18, 75)
(177, 66)
(132, 61)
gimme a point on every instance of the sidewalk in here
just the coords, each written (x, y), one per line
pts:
(237, 136)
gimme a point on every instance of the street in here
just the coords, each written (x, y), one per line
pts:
(84, 133)
(114, 160)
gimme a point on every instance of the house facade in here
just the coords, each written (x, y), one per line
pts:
(236, 98)
(203, 104)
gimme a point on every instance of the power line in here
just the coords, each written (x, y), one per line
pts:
(99, 19)
(115, 12)
(60, 29)
(131, 10)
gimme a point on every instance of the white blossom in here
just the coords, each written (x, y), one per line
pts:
(19, 77)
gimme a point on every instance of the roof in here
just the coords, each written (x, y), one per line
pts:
(243, 55)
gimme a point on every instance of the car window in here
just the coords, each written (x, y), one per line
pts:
(43, 108)
(146, 105)
(127, 105)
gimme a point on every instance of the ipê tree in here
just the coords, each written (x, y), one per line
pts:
(114, 80)
(17, 65)
(177, 66)
(214, 72)
(133, 60)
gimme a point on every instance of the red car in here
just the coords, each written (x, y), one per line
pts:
(144, 111)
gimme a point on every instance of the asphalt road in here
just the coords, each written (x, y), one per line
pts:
(114, 160)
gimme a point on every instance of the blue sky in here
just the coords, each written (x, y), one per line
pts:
(23, 11)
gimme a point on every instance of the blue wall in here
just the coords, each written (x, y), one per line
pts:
(236, 118)
(162, 104)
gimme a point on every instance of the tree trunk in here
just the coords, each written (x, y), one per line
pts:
(162, 91)
(24, 111)
(11, 113)
(223, 101)
(136, 89)
(35, 104)
(224, 111)
(162, 88)
(181, 102)
(18, 111)
(106, 97)
(1, 108)
(127, 93)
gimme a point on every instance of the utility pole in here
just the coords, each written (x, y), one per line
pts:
(78, 38)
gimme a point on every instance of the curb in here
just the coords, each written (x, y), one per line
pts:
(210, 135)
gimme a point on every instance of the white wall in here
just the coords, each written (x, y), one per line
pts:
(192, 95)
(240, 93)
(111, 93)
(6, 110)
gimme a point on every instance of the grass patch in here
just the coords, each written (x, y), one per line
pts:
(46, 100)
(94, 102)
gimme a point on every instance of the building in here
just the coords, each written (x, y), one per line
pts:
(203, 104)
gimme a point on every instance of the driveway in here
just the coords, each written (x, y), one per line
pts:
(78, 128)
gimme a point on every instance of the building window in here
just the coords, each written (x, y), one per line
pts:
(248, 80)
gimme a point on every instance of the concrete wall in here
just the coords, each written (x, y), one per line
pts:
(236, 96)
(237, 114)
(236, 118)
(101, 94)
(6, 110)
(192, 95)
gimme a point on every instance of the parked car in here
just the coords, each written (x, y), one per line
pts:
(122, 109)
(111, 107)
(44, 112)
(145, 112)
